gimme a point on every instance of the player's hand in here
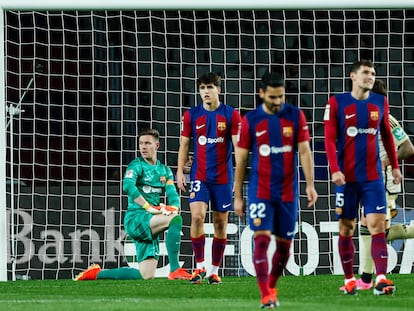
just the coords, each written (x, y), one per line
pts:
(181, 181)
(338, 178)
(312, 195)
(239, 206)
(396, 173)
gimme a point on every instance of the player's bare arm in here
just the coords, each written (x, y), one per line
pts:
(235, 139)
(307, 167)
(405, 150)
(241, 162)
(182, 160)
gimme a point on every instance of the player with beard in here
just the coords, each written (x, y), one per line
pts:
(275, 132)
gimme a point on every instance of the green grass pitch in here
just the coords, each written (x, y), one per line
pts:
(295, 293)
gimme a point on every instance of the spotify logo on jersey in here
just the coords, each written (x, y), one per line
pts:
(202, 140)
(264, 150)
(352, 131)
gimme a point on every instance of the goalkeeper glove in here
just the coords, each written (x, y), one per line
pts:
(152, 209)
(167, 209)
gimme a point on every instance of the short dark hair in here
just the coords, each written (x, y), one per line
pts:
(148, 131)
(210, 78)
(271, 79)
(363, 62)
(380, 87)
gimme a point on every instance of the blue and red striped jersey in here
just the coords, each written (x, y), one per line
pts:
(212, 132)
(273, 140)
(351, 136)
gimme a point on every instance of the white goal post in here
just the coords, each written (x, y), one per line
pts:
(82, 106)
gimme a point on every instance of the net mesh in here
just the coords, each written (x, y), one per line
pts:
(101, 76)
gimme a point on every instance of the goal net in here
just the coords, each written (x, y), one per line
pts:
(86, 82)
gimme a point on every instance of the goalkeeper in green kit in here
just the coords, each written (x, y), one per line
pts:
(145, 180)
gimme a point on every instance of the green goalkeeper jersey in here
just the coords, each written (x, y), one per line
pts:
(150, 181)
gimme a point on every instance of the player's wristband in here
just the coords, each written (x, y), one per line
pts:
(146, 206)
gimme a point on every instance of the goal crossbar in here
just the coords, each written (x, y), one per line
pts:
(210, 5)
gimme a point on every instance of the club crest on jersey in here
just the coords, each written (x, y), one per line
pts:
(374, 115)
(163, 179)
(338, 210)
(287, 131)
(192, 195)
(257, 222)
(221, 125)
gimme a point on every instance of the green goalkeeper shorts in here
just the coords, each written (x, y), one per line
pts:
(137, 226)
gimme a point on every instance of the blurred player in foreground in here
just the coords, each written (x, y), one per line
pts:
(405, 149)
(213, 128)
(145, 180)
(353, 121)
(274, 132)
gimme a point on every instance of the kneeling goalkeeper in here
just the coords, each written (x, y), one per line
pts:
(145, 179)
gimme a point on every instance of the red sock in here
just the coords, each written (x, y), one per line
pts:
(218, 250)
(379, 252)
(346, 252)
(279, 261)
(261, 265)
(198, 247)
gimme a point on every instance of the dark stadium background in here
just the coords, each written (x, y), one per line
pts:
(78, 154)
